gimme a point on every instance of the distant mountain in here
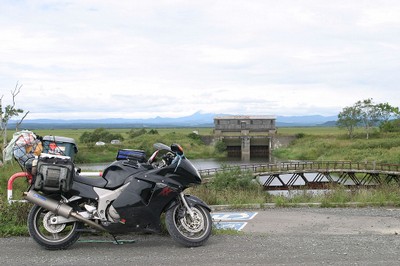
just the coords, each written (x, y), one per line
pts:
(195, 120)
(310, 120)
(329, 124)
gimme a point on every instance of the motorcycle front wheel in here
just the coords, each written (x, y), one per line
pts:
(188, 231)
(51, 236)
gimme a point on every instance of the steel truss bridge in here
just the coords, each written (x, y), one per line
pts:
(318, 174)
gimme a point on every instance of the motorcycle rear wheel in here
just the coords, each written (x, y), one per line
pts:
(185, 230)
(50, 236)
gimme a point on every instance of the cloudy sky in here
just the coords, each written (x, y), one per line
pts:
(142, 59)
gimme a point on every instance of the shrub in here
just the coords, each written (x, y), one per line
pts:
(233, 178)
(99, 134)
(153, 132)
(220, 146)
(136, 133)
(194, 136)
(390, 126)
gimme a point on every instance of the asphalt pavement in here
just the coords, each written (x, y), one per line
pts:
(276, 236)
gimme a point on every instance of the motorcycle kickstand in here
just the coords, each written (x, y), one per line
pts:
(121, 242)
(116, 240)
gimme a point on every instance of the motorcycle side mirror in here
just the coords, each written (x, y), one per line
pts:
(153, 157)
(177, 149)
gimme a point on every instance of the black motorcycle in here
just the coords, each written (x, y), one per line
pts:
(130, 196)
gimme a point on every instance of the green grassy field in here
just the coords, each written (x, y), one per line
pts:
(89, 153)
(312, 144)
(322, 131)
(76, 133)
(309, 130)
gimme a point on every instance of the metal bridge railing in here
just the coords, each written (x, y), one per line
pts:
(308, 166)
(275, 175)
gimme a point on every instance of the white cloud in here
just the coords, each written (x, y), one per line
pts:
(380, 16)
(173, 58)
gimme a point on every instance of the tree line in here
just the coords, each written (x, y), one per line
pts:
(368, 115)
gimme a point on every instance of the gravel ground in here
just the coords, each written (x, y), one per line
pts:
(277, 236)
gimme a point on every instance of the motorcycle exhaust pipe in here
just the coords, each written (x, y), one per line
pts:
(58, 208)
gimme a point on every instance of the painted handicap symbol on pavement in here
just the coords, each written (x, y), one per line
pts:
(232, 220)
(233, 216)
(238, 226)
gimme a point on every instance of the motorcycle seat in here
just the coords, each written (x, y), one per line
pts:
(91, 181)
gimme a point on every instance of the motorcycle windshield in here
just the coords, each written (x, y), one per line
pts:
(187, 170)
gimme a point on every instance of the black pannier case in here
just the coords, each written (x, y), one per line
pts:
(54, 174)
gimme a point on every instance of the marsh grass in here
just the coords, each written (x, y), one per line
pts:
(13, 218)
(382, 148)
(383, 195)
(388, 194)
(229, 196)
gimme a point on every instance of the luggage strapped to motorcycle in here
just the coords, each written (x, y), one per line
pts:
(54, 174)
(132, 155)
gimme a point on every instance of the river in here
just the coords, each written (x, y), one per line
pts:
(200, 164)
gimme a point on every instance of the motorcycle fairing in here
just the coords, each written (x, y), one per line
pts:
(142, 202)
(185, 173)
(114, 176)
(118, 172)
(83, 190)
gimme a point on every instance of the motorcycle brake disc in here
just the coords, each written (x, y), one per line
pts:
(194, 226)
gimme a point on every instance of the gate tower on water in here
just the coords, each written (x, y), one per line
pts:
(246, 136)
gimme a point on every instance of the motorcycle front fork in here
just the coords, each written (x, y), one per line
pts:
(189, 210)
